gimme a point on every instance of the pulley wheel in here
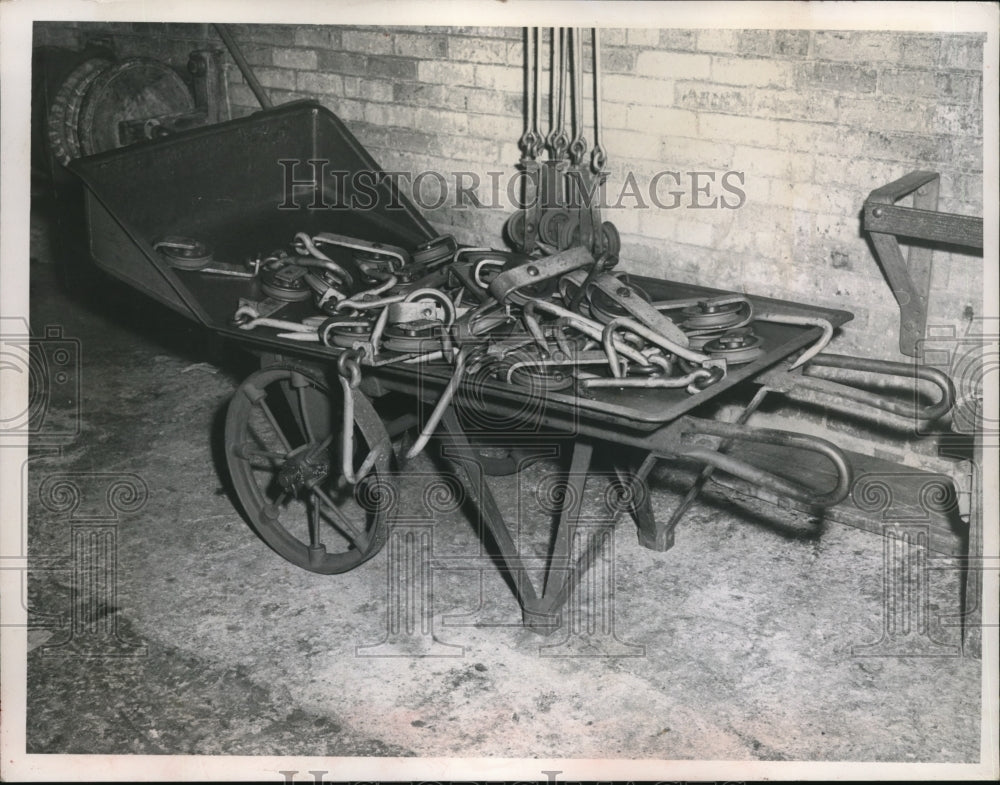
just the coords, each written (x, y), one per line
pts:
(64, 112)
(550, 225)
(514, 229)
(283, 449)
(286, 283)
(344, 336)
(705, 316)
(569, 235)
(604, 309)
(735, 347)
(435, 252)
(415, 337)
(612, 240)
(135, 89)
(185, 253)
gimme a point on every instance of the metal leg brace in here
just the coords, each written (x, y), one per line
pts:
(539, 610)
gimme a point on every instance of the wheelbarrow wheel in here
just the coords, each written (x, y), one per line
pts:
(284, 451)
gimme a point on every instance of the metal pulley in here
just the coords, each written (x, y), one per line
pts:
(287, 283)
(412, 337)
(434, 252)
(604, 309)
(374, 264)
(551, 224)
(569, 235)
(407, 313)
(185, 253)
(736, 346)
(710, 316)
(344, 333)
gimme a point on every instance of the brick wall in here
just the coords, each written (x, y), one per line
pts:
(813, 119)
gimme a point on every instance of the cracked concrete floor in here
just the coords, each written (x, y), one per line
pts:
(755, 638)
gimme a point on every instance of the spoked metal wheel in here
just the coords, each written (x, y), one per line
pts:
(284, 449)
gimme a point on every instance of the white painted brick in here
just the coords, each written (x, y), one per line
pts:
(375, 90)
(812, 198)
(755, 72)
(648, 37)
(367, 42)
(673, 65)
(773, 163)
(276, 77)
(818, 137)
(346, 110)
(858, 46)
(420, 45)
(632, 144)
(295, 58)
(660, 224)
(433, 72)
(312, 36)
(478, 50)
(499, 77)
(680, 153)
(881, 114)
(490, 126)
(622, 89)
(718, 40)
(625, 219)
(436, 121)
(389, 115)
(661, 121)
(738, 129)
(614, 36)
(510, 154)
(314, 82)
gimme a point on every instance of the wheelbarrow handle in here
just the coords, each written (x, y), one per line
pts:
(760, 477)
(934, 376)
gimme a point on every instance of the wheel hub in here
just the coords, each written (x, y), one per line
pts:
(303, 469)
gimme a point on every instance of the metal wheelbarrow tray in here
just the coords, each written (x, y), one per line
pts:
(226, 185)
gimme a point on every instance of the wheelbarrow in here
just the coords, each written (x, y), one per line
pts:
(378, 336)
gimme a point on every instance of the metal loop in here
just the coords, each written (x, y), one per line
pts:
(348, 367)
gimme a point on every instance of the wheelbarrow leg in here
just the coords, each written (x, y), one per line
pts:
(652, 536)
(539, 611)
(465, 460)
(559, 573)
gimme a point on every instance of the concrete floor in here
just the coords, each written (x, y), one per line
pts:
(745, 642)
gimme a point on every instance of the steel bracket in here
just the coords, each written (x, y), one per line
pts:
(910, 278)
